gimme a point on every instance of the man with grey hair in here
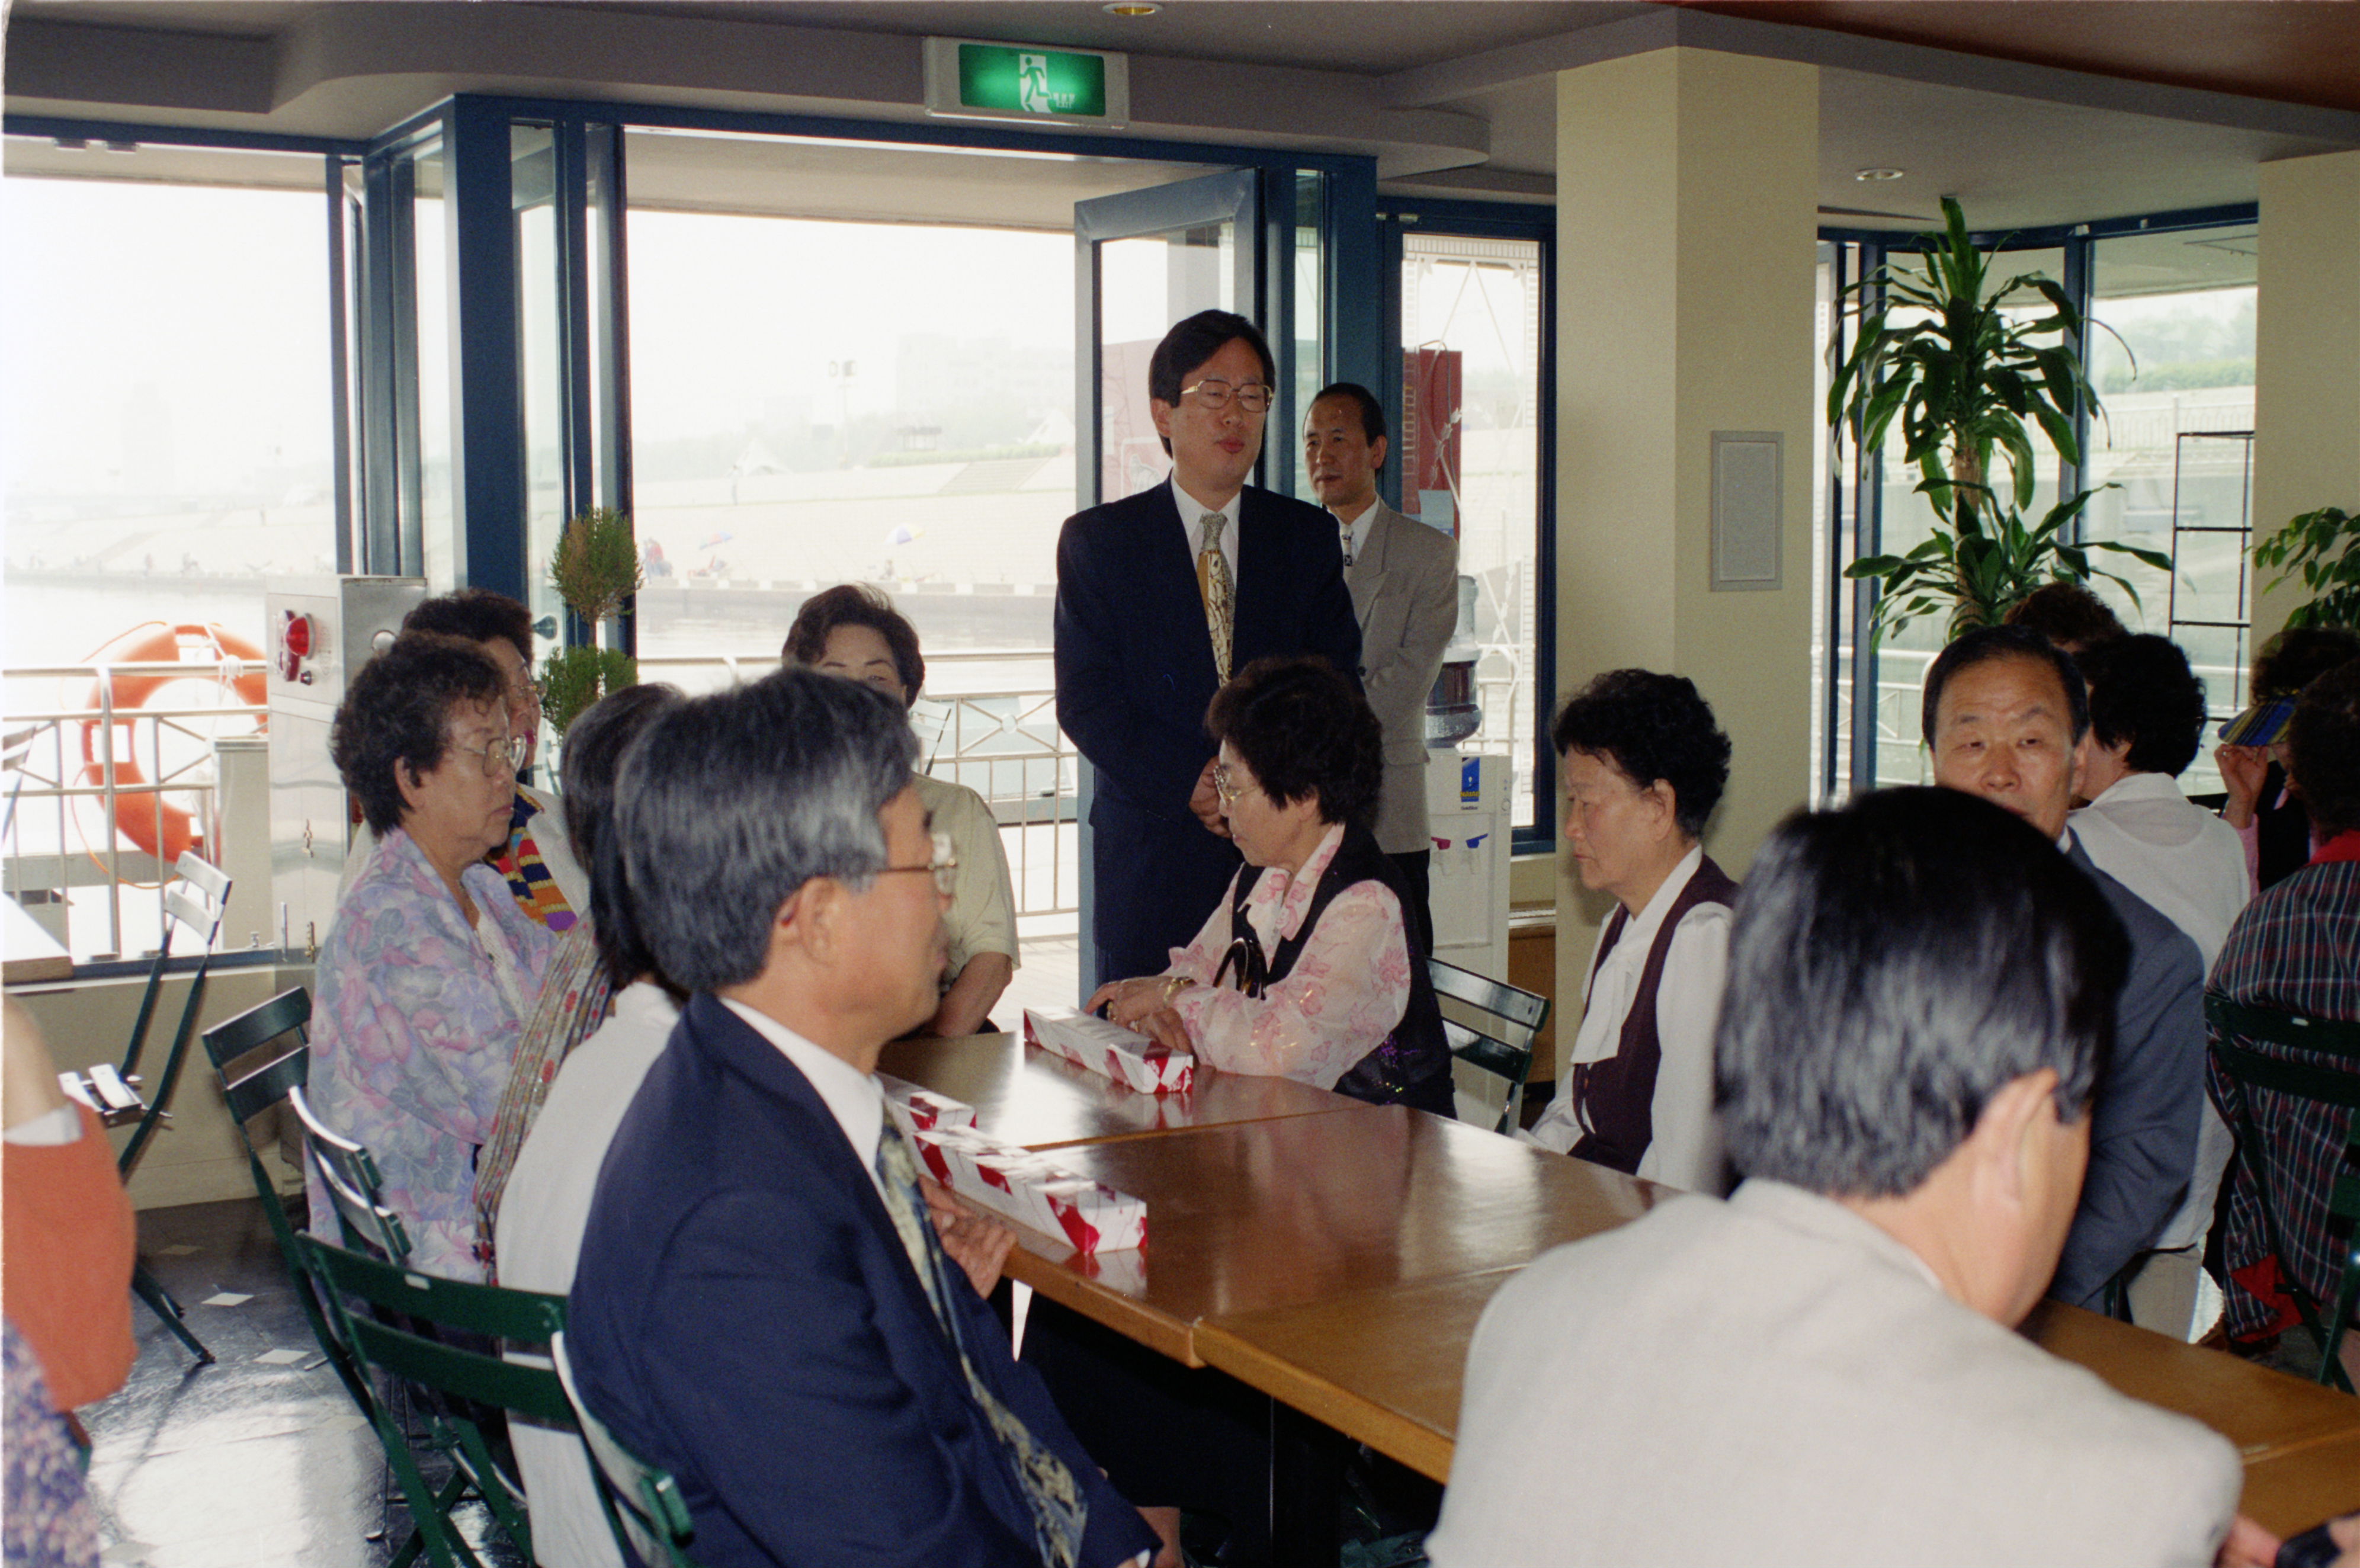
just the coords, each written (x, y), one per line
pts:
(1820, 1369)
(762, 1306)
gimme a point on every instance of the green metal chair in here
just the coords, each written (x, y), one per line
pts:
(1502, 1047)
(644, 1508)
(2325, 1042)
(419, 1331)
(193, 903)
(349, 1174)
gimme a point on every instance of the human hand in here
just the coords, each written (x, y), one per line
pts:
(1166, 1026)
(1129, 1001)
(976, 1242)
(2248, 1546)
(1206, 801)
(2243, 769)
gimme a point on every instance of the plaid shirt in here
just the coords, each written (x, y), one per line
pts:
(2296, 946)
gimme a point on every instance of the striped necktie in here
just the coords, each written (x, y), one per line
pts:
(1059, 1510)
(1219, 591)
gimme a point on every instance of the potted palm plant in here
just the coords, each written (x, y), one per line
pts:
(1935, 350)
(2324, 549)
(596, 566)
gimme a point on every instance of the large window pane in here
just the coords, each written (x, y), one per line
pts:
(1469, 457)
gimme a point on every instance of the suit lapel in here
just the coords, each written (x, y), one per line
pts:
(1168, 588)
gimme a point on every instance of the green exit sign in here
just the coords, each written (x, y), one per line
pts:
(1027, 83)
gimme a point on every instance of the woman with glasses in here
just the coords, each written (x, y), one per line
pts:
(432, 967)
(854, 631)
(1307, 969)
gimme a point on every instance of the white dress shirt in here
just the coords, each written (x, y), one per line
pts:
(1355, 533)
(851, 1096)
(1192, 511)
(2180, 857)
(1685, 1151)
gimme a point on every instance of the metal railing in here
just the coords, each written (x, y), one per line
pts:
(96, 778)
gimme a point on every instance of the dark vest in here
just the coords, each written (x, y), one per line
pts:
(1616, 1095)
(2283, 833)
(1411, 1066)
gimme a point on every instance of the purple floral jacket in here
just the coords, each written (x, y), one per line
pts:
(412, 1037)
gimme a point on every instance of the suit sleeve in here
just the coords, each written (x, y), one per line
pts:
(1152, 755)
(786, 1375)
(2143, 1133)
(1405, 674)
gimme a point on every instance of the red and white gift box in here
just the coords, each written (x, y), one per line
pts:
(1032, 1190)
(916, 1110)
(1129, 1058)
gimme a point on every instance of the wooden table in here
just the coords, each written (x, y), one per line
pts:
(2290, 1492)
(31, 952)
(1310, 1212)
(1025, 1095)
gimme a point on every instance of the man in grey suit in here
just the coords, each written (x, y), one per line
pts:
(1405, 581)
(1821, 1370)
(2008, 719)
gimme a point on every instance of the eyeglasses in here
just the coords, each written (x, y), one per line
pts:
(945, 867)
(499, 756)
(1212, 393)
(1228, 788)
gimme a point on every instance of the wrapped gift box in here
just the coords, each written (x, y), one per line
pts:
(916, 1110)
(1128, 1057)
(1032, 1190)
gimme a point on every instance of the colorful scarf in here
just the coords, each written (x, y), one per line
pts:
(537, 893)
(574, 1000)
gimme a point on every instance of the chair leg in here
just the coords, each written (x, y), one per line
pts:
(160, 1301)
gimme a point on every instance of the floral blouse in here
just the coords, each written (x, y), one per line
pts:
(412, 1038)
(1346, 992)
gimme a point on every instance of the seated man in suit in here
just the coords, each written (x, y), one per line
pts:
(1819, 1369)
(1403, 577)
(761, 1306)
(1161, 596)
(2008, 719)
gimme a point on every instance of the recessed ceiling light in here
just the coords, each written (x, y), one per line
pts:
(1878, 174)
(1131, 8)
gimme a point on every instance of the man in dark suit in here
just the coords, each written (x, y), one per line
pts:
(1161, 597)
(762, 1306)
(2008, 719)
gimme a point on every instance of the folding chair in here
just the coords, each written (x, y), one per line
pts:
(1502, 1047)
(643, 1504)
(2336, 1086)
(195, 903)
(415, 1334)
(349, 1174)
(252, 1091)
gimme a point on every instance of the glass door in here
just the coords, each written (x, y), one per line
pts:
(1144, 259)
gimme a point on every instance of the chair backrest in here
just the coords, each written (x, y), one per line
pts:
(350, 1175)
(192, 902)
(256, 1091)
(1498, 1058)
(2235, 1022)
(1519, 1013)
(643, 1504)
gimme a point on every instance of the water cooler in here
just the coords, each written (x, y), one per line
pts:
(1467, 802)
(321, 630)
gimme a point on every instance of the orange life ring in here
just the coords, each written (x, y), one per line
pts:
(164, 830)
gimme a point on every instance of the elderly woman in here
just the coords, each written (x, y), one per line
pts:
(432, 967)
(1644, 765)
(1307, 969)
(543, 876)
(853, 630)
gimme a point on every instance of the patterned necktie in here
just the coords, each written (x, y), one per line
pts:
(1347, 528)
(1219, 591)
(1059, 1512)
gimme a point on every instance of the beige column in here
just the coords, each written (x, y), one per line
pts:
(2306, 354)
(1687, 202)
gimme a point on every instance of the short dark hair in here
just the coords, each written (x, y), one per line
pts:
(1651, 727)
(397, 713)
(2142, 691)
(1372, 413)
(1192, 342)
(595, 747)
(729, 802)
(1302, 728)
(857, 604)
(478, 614)
(1984, 644)
(2323, 749)
(2067, 613)
(2299, 655)
(1892, 966)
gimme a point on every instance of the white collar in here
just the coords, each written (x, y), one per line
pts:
(1191, 509)
(851, 1096)
(2139, 787)
(643, 1004)
(1643, 925)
